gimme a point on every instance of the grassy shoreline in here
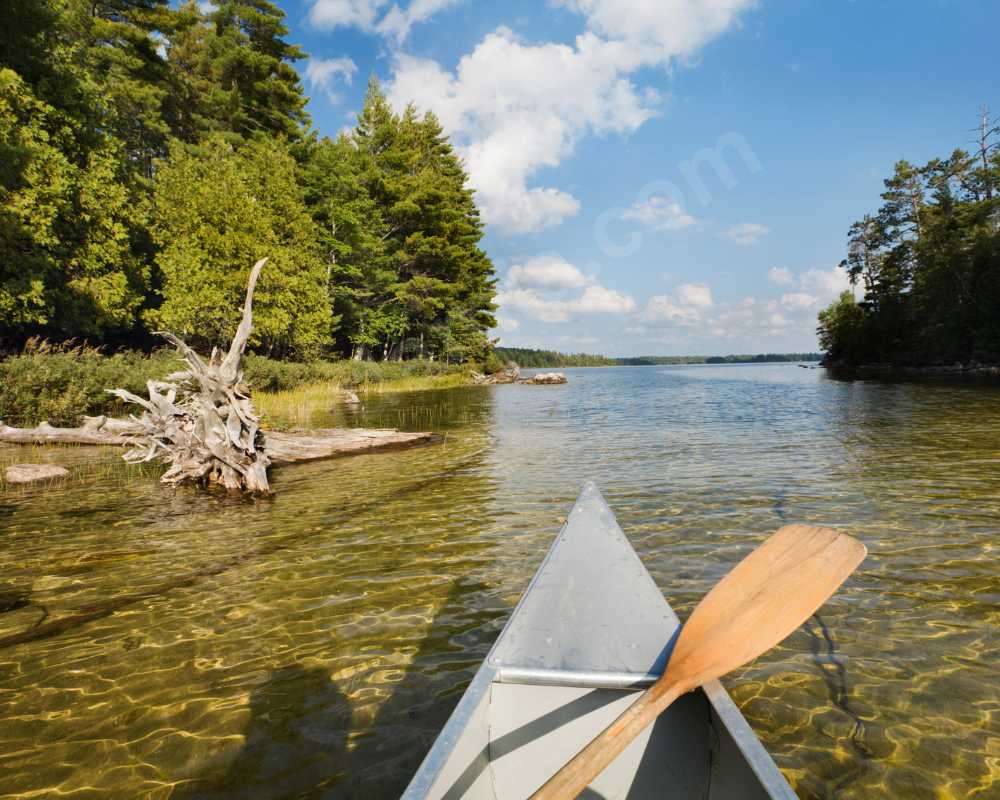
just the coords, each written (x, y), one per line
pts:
(61, 384)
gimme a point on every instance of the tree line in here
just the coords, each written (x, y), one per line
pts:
(927, 265)
(149, 155)
(527, 357)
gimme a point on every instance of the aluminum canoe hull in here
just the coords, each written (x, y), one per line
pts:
(590, 631)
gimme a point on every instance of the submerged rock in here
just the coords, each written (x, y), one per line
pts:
(20, 474)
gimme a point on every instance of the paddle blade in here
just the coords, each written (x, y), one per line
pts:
(766, 596)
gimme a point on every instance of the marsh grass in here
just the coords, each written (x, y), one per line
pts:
(417, 383)
(299, 407)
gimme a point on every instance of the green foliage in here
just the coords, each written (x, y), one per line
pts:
(150, 154)
(421, 285)
(842, 329)
(220, 210)
(525, 357)
(68, 224)
(59, 383)
(929, 265)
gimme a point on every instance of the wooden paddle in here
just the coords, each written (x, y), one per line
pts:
(763, 599)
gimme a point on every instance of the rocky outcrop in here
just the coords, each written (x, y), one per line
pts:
(23, 474)
(512, 374)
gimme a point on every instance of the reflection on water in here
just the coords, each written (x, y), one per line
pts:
(172, 643)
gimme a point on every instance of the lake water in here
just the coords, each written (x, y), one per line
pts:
(160, 642)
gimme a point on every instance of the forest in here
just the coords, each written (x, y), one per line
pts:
(926, 266)
(527, 357)
(150, 154)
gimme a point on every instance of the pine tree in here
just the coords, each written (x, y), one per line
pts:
(436, 292)
(255, 89)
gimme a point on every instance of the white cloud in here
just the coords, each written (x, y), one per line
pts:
(593, 300)
(324, 73)
(696, 295)
(746, 233)
(329, 14)
(660, 30)
(828, 283)
(547, 272)
(686, 307)
(397, 21)
(601, 300)
(799, 301)
(660, 214)
(394, 24)
(508, 324)
(780, 276)
(515, 108)
(544, 288)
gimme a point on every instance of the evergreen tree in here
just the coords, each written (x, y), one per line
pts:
(254, 88)
(68, 263)
(434, 290)
(929, 264)
(217, 212)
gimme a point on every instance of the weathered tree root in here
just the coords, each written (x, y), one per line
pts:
(201, 420)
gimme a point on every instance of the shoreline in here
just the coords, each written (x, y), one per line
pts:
(971, 371)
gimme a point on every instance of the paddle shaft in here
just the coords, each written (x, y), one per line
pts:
(591, 761)
(763, 599)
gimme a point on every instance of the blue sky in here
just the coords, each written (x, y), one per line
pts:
(665, 176)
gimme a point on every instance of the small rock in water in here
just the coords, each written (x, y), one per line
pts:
(351, 399)
(20, 474)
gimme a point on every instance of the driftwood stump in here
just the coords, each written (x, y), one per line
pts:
(201, 420)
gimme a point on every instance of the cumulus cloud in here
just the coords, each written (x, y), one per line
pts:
(816, 288)
(685, 307)
(324, 73)
(514, 108)
(828, 283)
(799, 301)
(746, 233)
(331, 14)
(547, 272)
(397, 21)
(660, 30)
(660, 214)
(508, 324)
(550, 289)
(780, 276)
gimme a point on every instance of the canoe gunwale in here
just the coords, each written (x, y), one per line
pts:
(589, 679)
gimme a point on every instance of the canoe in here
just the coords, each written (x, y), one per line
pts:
(590, 631)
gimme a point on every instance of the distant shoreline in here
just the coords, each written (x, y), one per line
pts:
(972, 370)
(531, 358)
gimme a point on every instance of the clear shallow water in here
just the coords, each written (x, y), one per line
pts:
(171, 643)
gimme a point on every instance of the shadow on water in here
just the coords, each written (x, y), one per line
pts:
(302, 739)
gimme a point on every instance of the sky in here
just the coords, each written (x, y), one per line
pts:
(665, 176)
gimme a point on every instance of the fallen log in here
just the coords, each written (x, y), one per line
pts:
(281, 447)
